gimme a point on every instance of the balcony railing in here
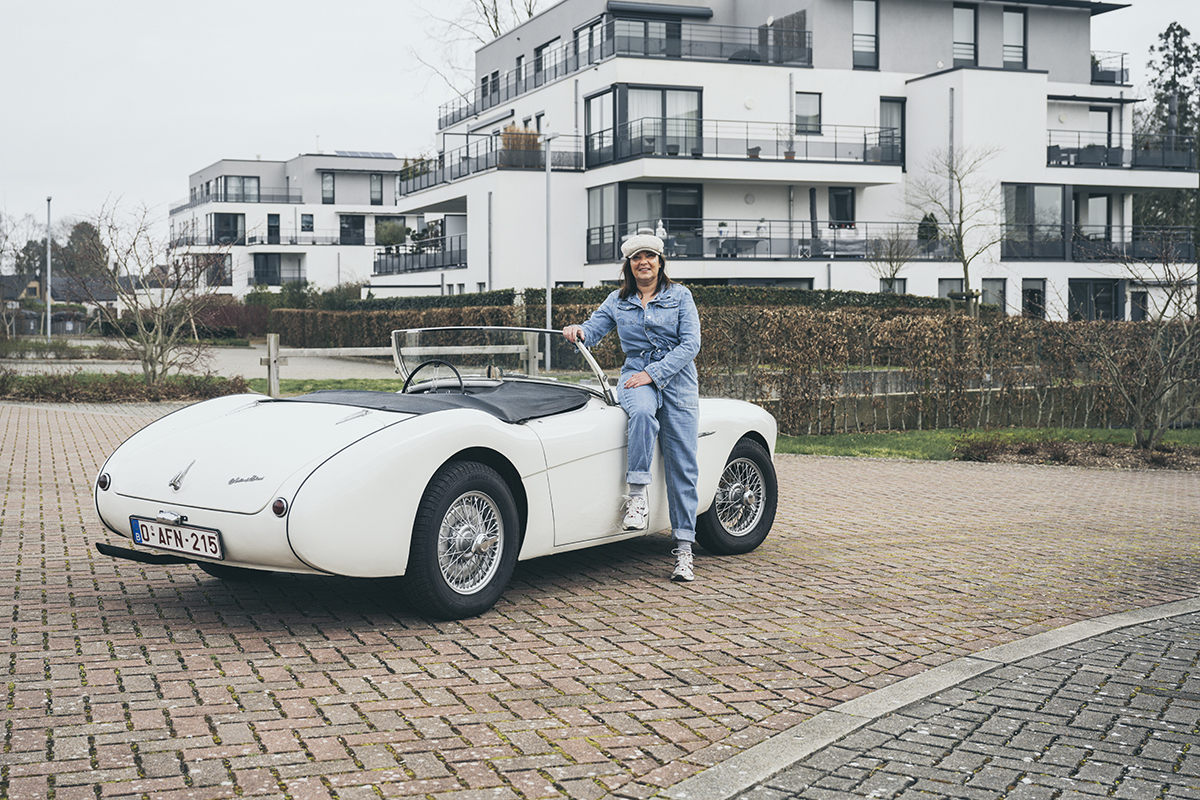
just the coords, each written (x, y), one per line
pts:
(710, 138)
(261, 196)
(445, 252)
(1097, 243)
(1109, 67)
(776, 239)
(685, 41)
(1121, 150)
(283, 238)
(482, 153)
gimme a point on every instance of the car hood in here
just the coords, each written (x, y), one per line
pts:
(234, 454)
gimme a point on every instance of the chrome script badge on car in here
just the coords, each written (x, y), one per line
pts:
(251, 479)
(177, 481)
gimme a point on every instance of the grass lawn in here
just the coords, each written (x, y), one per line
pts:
(939, 445)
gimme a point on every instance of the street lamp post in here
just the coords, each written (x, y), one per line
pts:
(49, 299)
(549, 280)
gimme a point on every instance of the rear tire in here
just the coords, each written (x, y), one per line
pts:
(464, 543)
(743, 509)
(231, 574)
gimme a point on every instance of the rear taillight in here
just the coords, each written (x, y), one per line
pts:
(103, 482)
(279, 507)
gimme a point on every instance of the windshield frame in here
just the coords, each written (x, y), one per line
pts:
(603, 388)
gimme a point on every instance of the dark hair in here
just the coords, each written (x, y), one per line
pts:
(629, 283)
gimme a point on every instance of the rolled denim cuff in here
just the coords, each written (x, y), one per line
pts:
(683, 536)
(638, 478)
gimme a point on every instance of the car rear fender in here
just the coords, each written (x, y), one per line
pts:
(354, 514)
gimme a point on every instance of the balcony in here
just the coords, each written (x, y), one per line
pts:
(508, 151)
(777, 239)
(709, 138)
(445, 252)
(684, 41)
(288, 238)
(1097, 243)
(1109, 68)
(1120, 150)
(262, 196)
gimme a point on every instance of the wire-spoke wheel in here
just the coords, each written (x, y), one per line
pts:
(743, 509)
(464, 542)
(470, 542)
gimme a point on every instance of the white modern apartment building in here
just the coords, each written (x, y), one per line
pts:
(778, 142)
(312, 218)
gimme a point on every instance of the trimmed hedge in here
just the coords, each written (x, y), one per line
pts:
(500, 297)
(86, 387)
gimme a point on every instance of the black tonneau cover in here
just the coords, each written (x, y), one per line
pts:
(509, 401)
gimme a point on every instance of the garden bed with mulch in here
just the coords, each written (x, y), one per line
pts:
(1099, 455)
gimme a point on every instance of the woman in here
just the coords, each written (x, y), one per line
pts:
(659, 329)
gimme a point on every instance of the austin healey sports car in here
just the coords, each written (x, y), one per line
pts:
(504, 444)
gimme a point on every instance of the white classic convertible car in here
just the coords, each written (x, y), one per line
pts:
(489, 454)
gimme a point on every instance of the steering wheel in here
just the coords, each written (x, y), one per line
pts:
(434, 362)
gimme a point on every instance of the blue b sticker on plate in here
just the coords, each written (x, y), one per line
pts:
(137, 532)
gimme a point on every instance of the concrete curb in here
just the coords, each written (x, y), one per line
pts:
(760, 762)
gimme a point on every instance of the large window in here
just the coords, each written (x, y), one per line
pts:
(661, 121)
(808, 112)
(272, 229)
(327, 194)
(993, 293)
(587, 42)
(1095, 299)
(648, 37)
(545, 61)
(948, 287)
(227, 228)
(678, 206)
(893, 285)
(598, 126)
(965, 53)
(1033, 222)
(1033, 298)
(891, 129)
(267, 270)
(841, 207)
(353, 229)
(1014, 38)
(218, 268)
(306, 223)
(376, 189)
(602, 223)
(241, 189)
(866, 38)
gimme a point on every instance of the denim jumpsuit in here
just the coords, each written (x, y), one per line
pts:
(662, 339)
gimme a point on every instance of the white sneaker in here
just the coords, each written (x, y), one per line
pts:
(635, 513)
(683, 565)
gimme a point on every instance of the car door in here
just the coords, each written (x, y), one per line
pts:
(585, 459)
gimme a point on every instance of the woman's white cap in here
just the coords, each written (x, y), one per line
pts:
(643, 240)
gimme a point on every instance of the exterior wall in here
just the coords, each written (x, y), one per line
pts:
(1016, 114)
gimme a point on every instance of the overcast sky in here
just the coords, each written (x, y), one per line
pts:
(121, 100)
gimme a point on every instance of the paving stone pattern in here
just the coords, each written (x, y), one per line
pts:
(1113, 716)
(595, 676)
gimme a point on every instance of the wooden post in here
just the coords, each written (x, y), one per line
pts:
(273, 362)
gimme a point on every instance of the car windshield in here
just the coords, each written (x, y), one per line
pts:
(486, 354)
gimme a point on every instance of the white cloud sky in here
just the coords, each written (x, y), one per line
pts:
(124, 99)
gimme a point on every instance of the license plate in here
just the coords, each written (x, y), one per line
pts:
(179, 538)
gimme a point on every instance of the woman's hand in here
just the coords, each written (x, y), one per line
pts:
(638, 379)
(573, 333)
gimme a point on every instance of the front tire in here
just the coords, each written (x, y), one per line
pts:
(464, 543)
(743, 510)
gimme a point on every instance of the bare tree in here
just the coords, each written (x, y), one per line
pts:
(147, 293)
(1152, 365)
(954, 186)
(889, 254)
(459, 28)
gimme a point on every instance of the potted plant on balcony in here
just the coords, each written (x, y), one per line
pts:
(786, 135)
(761, 230)
(722, 229)
(520, 147)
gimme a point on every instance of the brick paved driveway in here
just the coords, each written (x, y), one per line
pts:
(594, 676)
